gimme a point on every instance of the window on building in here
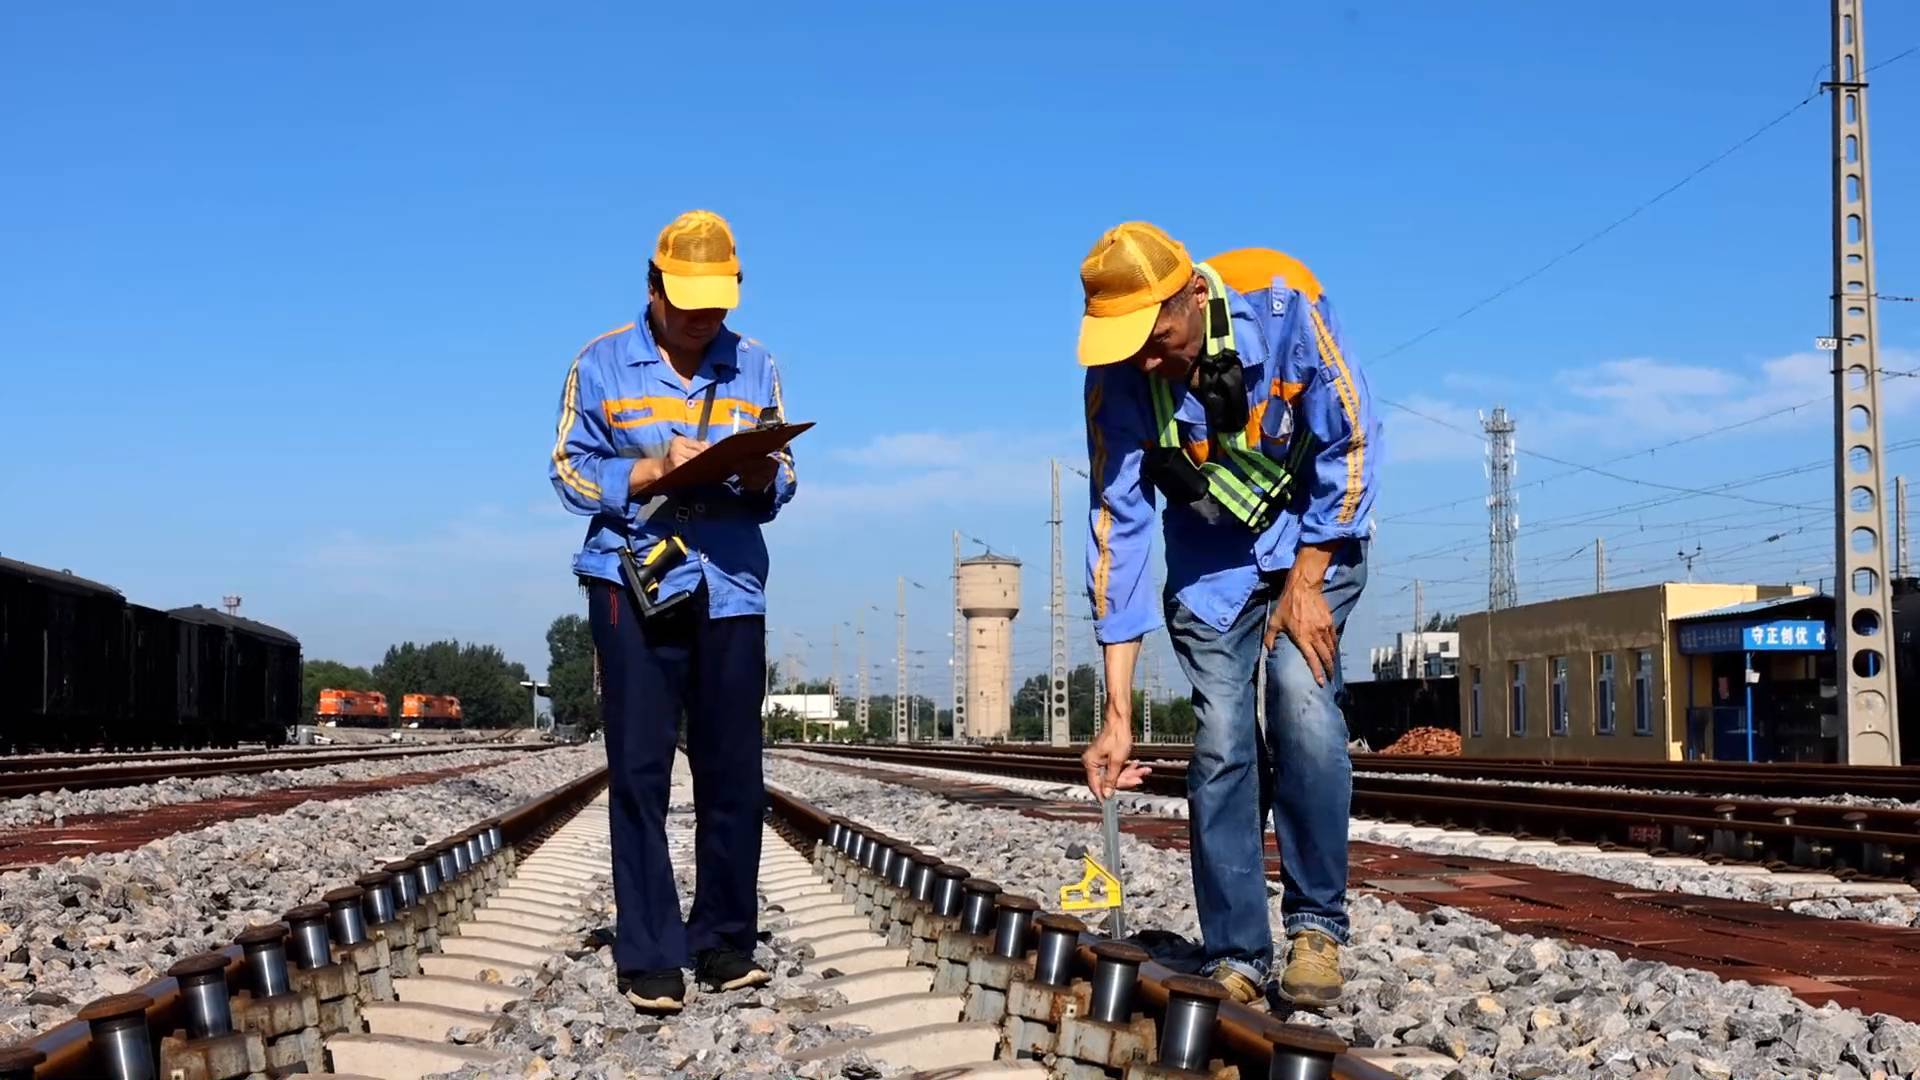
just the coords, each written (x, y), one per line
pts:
(1643, 692)
(1518, 706)
(1603, 694)
(1557, 694)
(1473, 704)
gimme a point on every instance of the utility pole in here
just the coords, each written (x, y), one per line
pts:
(860, 706)
(1864, 617)
(1903, 566)
(900, 678)
(1502, 508)
(833, 677)
(1057, 681)
(1146, 701)
(1688, 558)
(959, 651)
(1599, 564)
(1419, 645)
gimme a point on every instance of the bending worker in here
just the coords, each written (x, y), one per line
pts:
(1221, 388)
(676, 597)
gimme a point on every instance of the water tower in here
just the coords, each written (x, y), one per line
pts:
(989, 598)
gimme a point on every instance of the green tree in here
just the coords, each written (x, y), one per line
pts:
(487, 684)
(570, 673)
(318, 675)
(1440, 622)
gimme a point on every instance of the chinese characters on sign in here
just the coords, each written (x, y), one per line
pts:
(1777, 636)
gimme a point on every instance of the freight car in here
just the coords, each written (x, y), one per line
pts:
(80, 667)
(352, 708)
(429, 711)
(62, 658)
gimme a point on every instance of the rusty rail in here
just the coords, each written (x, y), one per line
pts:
(1242, 1036)
(68, 1049)
(1771, 779)
(1858, 842)
(14, 781)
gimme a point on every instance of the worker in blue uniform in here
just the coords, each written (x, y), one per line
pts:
(677, 600)
(1221, 388)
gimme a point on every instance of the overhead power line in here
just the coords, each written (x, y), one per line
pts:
(1592, 238)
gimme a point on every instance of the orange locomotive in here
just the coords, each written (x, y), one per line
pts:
(429, 710)
(352, 708)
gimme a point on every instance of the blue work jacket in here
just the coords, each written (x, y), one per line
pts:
(621, 395)
(1299, 384)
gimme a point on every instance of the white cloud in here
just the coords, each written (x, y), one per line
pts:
(1638, 401)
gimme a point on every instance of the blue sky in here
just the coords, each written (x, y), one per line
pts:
(286, 298)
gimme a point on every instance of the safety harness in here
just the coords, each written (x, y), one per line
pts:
(1244, 482)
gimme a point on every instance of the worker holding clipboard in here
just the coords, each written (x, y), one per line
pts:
(672, 440)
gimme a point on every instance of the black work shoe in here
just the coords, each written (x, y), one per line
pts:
(720, 970)
(655, 991)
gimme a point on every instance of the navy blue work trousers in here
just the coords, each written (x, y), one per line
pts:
(652, 672)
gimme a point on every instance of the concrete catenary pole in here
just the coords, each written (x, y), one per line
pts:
(959, 660)
(1057, 732)
(900, 675)
(1864, 611)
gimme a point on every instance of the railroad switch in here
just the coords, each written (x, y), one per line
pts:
(1038, 1002)
(1186, 1037)
(956, 948)
(209, 1048)
(942, 916)
(334, 985)
(894, 889)
(870, 889)
(288, 1022)
(370, 958)
(921, 879)
(1101, 1036)
(990, 974)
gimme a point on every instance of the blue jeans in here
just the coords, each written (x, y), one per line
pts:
(1311, 780)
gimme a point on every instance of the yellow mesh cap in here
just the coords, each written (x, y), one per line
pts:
(1130, 271)
(697, 261)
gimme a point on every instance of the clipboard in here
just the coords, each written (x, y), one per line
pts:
(724, 458)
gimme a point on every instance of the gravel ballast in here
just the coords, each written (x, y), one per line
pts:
(1499, 1004)
(1641, 874)
(56, 806)
(103, 924)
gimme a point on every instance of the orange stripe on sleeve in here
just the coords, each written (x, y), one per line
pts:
(1350, 404)
(1103, 525)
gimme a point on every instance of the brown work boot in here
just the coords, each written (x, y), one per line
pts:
(1239, 987)
(1312, 979)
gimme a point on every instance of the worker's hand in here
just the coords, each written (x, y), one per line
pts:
(683, 450)
(758, 475)
(1108, 767)
(1302, 614)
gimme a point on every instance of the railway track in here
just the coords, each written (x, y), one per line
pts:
(25, 776)
(1774, 779)
(948, 963)
(373, 981)
(1846, 841)
(392, 982)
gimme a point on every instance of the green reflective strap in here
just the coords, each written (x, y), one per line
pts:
(1248, 483)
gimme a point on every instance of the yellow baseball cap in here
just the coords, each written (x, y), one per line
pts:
(697, 261)
(1132, 268)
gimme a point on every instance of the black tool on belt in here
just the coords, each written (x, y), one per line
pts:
(645, 572)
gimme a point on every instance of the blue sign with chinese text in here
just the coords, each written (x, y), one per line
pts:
(1779, 635)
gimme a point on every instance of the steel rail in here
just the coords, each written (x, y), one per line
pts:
(1243, 1037)
(1853, 841)
(15, 783)
(1766, 778)
(69, 1047)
